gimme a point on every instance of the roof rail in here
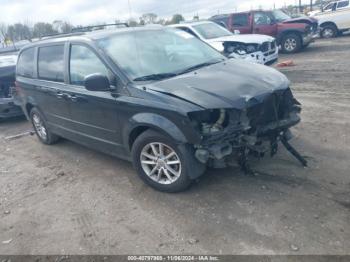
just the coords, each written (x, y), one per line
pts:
(97, 27)
(59, 35)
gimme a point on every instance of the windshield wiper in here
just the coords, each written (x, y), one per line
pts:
(155, 77)
(192, 68)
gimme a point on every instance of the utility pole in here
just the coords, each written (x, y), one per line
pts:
(311, 5)
(300, 6)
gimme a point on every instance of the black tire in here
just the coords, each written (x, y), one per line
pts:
(291, 43)
(329, 31)
(50, 138)
(183, 152)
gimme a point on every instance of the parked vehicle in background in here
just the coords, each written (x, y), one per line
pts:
(173, 107)
(8, 108)
(331, 7)
(255, 48)
(334, 23)
(292, 34)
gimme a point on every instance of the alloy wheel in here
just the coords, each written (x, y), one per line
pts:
(39, 127)
(160, 163)
(328, 33)
(290, 44)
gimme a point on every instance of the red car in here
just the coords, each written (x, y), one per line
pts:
(292, 34)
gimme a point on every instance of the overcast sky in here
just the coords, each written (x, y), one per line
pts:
(85, 12)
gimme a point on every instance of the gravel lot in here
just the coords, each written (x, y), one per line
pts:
(67, 199)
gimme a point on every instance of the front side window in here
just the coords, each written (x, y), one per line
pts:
(211, 30)
(240, 20)
(262, 19)
(330, 7)
(343, 4)
(84, 62)
(51, 63)
(25, 65)
(153, 52)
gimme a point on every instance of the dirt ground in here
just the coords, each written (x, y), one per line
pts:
(67, 199)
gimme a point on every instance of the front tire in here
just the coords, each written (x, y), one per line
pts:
(329, 31)
(161, 163)
(291, 43)
(40, 127)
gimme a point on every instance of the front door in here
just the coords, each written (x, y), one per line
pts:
(264, 24)
(94, 115)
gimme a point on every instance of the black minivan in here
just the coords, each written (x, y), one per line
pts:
(156, 96)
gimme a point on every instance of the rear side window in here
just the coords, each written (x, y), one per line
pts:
(84, 62)
(25, 65)
(240, 20)
(343, 4)
(51, 63)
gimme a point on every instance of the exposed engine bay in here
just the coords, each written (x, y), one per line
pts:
(243, 48)
(265, 53)
(229, 134)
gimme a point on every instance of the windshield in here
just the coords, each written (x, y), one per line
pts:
(280, 15)
(211, 30)
(163, 52)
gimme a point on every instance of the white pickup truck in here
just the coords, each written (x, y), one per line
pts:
(333, 23)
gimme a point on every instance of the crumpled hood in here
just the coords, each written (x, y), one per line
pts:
(231, 84)
(303, 19)
(247, 39)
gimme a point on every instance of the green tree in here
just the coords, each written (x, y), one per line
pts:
(176, 19)
(41, 29)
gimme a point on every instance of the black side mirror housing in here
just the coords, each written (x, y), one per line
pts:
(97, 82)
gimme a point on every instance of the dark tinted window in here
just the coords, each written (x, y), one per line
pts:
(84, 62)
(240, 20)
(25, 65)
(51, 63)
(343, 4)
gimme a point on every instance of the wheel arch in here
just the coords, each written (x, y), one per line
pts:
(287, 32)
(328, 23)
(141, 122)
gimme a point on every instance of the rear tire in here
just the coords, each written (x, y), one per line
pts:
(40, 127)
(161, 163)
(291, 43)
(329, 31)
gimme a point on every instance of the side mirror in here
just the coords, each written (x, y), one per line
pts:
(97, 82)
(236, 32)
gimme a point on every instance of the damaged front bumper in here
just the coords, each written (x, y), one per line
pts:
(256, 130)
(230, 142)
(258, 57)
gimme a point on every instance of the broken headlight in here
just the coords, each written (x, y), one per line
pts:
(209, 121)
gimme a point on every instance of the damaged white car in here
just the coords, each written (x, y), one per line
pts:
(261, 49)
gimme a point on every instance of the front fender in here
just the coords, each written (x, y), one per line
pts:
(156, 122)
